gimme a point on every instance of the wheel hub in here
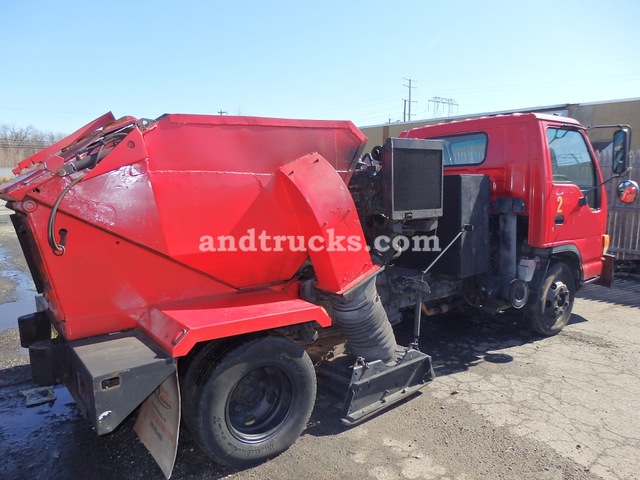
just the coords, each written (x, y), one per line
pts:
(259, 403)
(558, 300)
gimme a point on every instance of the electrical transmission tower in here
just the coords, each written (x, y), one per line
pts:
(441, 104)
(406, 116)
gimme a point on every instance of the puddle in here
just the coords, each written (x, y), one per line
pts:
(21, 423)
(25, 292)
(9, 312)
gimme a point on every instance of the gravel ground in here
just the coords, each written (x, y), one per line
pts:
(506, 405)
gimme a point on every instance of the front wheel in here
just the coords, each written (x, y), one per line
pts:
(253, 403)
(552, 310)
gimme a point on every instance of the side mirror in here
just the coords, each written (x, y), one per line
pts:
(621, 149)
(627, 191)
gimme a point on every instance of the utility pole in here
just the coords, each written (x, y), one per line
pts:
(407, 116)
(222, 112)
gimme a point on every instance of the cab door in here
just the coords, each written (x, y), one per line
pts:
(576, 210)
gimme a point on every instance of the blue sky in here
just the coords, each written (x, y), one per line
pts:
(64, 63)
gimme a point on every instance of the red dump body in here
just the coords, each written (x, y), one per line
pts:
(141, 227)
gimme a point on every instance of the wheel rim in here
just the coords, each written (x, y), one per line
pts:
(558, 302)
(259, 404)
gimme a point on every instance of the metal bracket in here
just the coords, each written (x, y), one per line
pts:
(376, 385)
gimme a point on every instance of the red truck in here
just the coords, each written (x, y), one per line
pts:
(546, 234)
(185, 263)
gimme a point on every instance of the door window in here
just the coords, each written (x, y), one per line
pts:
(572, 163)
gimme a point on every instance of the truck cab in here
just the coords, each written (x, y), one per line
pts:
(544, 165)
(523, 220)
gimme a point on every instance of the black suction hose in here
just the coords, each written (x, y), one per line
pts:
(364, 321)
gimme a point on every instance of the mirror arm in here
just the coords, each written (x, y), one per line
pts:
(620, 126)
(582, 201)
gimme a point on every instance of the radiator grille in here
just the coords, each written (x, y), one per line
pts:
(417, 179)
(414, 178)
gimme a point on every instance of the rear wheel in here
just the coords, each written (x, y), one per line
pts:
(552, 310)
(252, 403)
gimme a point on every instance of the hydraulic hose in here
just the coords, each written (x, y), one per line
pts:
(58, 248)
(82, 163)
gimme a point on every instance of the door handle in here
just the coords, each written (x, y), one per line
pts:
(559, 219)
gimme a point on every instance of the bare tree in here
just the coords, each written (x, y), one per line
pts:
(17, 143)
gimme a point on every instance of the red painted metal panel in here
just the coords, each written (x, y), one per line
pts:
(42, 155)
(135, 222)
(178, 326)
(104, 283)
(324, 209)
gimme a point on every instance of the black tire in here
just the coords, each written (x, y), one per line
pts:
(251, 403)
(552, 310)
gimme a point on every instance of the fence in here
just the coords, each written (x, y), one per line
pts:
(624, 219)
(12, 152)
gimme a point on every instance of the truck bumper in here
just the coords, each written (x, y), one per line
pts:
(109, 376)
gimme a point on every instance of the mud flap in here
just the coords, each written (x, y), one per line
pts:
(158, 423)
(606, 277)
(376, 385)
